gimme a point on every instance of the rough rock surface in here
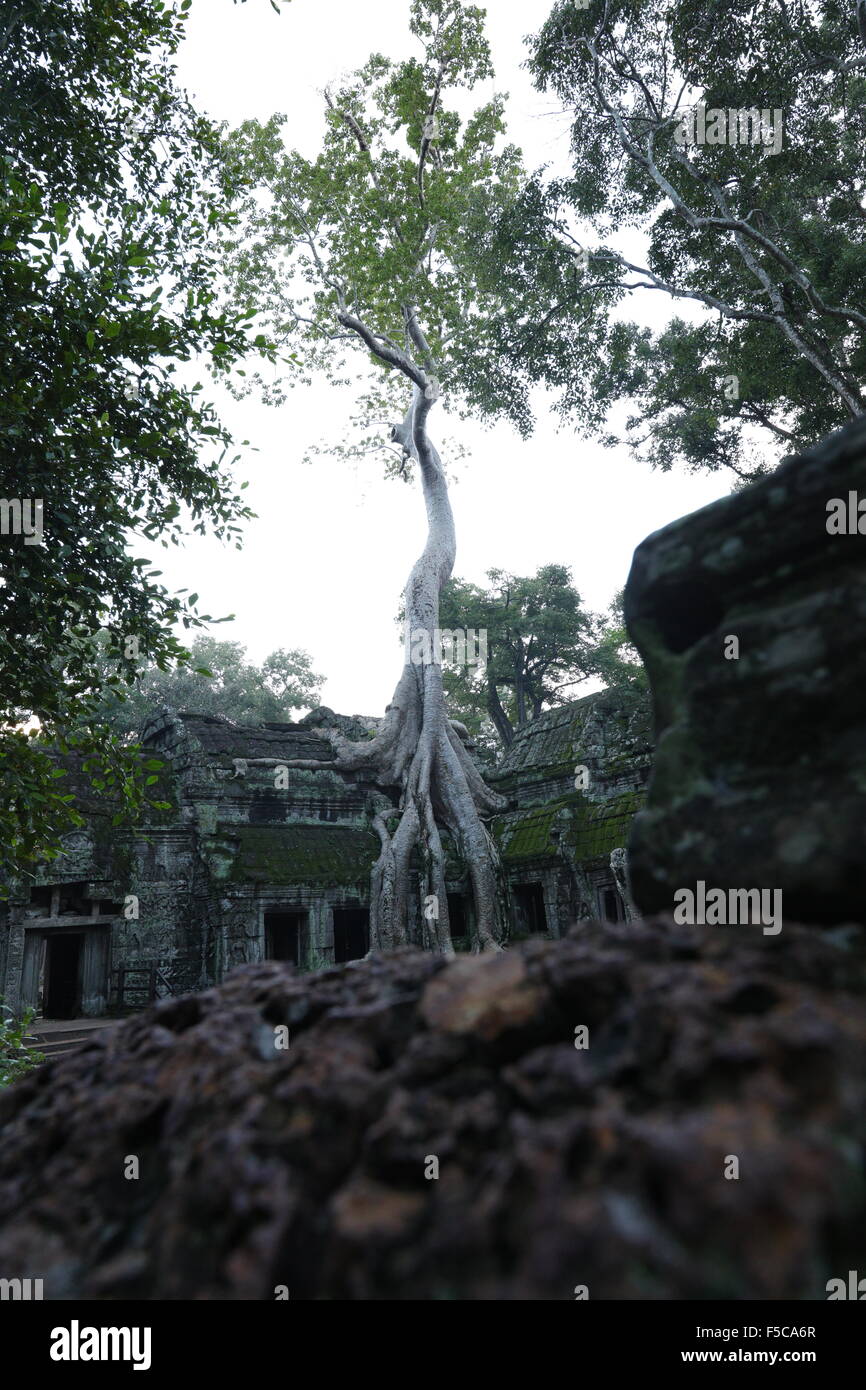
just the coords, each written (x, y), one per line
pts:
(558, 1167)
(760, 771)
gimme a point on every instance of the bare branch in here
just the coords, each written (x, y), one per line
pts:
(383, 348)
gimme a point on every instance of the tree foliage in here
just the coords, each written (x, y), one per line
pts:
(111, 191)
(220, 682)
(769, 248)
(17, 1055)
(618, 663)
(387, 215)
(540, 642)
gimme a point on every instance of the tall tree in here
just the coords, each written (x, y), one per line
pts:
(111, 189)
(221, 682)
(540, 645)
(730, 139)
(371, 246)
(618, 663)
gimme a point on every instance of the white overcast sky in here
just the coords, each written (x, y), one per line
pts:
(324, 565)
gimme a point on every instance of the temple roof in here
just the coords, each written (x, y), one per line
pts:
(602, 731)
(218, 737)
(581, 830)
(547, 742)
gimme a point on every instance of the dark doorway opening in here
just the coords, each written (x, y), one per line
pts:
(283, 936)
(41, 898)
(610, 905)
(457, 915)
(63, 975)
(351, 933)
(531, 917)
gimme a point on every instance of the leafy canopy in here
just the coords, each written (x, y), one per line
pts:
(222, 682)
(386, 216)
(768, 248)
(111, 190)
(541, 644)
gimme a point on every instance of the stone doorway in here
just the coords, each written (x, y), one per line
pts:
(530, 913)
(283, 936)
(611, 905)
(64, 959)
(351, 934)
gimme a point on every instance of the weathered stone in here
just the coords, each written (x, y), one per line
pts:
(760, 771)
(255, 859)
(482, 997)
(557, 1165)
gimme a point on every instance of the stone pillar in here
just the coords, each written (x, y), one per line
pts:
(619, 869)
(320, 943)
(94, 978)
(12, 992)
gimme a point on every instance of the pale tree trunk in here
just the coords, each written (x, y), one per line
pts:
(419, 755)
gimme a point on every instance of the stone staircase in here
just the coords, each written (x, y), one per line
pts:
(56, 1036)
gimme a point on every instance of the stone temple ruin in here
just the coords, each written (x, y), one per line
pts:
(305, 1167)
(241, 871)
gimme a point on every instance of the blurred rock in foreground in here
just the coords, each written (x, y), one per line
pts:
(558, 1167)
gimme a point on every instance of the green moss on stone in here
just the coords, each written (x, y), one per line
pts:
(295, 854)
(602, 826)
(589, 830)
